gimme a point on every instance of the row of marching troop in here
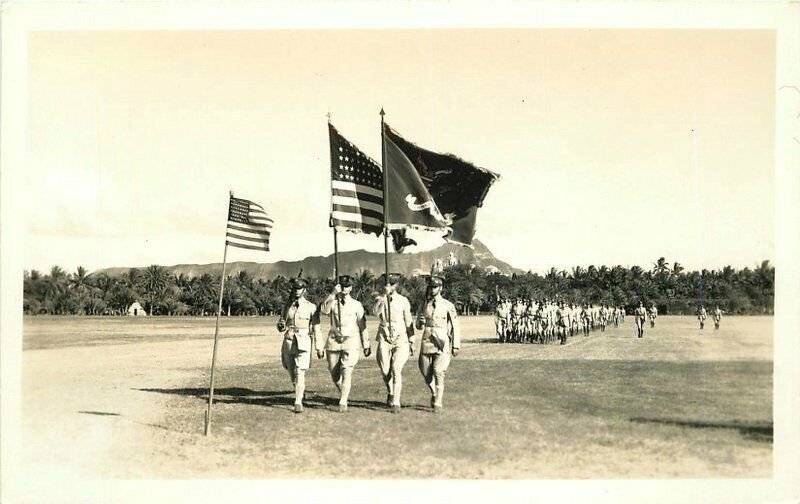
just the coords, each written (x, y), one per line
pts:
(547, 320)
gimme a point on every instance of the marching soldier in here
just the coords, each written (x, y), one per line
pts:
(441, 336)
(347, 335)
(395, 339)
(603, 315)
(586, 319)
(640, 315)
(702, 314)
(299, 321)
(500, 316)
(561, 322)
(717, 317)
(652, 313)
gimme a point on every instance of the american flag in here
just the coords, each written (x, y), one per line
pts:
(249, 225)
(357, 187)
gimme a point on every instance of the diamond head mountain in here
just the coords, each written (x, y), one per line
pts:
(350, 262)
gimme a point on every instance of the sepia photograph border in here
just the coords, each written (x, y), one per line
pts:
(19, 19)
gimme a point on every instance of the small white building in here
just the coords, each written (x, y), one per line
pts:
(136, 310)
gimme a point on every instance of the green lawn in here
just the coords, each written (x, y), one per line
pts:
(496, 412)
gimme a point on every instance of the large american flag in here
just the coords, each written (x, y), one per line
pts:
(357, 187)
(249, 225)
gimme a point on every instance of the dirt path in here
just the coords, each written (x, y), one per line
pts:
(82, 412)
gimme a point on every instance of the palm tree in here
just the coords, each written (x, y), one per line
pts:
(154, 283)
(661, 266)
(362, 287)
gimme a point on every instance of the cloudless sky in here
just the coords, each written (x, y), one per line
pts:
(614, 146)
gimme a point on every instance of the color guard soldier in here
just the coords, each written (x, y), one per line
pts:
(347, 335)
(299, 321)
(395, 340)
(441, 336)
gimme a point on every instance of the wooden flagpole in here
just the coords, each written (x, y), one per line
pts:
(335, 242)
(386, 224)
(216, 330)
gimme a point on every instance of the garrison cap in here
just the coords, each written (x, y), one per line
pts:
(345, 281)
(298, 283)
(435, 281)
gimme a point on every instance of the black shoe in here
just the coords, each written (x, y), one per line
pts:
(298, 408)
(389, 400)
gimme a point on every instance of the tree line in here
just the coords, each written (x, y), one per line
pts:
(472, 289)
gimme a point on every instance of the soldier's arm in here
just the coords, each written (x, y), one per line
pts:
(377, 308)
(408, 321)
(315, 331)
(327, 304)
(281, 325)
(451, 311)
(362, 327)
(421, 316)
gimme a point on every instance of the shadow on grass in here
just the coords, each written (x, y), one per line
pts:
(270, 399)
(98, 413)
(756, 431)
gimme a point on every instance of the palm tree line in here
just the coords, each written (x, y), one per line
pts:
(472, 289)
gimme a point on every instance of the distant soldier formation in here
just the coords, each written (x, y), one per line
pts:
(544, 321)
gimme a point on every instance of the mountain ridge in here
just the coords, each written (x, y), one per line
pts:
(350, 262)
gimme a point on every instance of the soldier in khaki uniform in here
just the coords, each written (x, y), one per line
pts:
(640, 314)
(441, 336)
(299, 321)
(500, 317)
(652, 313)
(702, 314)
(395, 339)
(346, 337)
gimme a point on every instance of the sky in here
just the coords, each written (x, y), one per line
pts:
(613, 146)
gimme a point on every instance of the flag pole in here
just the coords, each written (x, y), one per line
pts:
(335, 242)
(386, 223)
(216, 330)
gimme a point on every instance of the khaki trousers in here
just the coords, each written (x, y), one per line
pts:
(433, 368)
(391, 360)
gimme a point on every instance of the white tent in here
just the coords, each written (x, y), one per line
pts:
(136, 310)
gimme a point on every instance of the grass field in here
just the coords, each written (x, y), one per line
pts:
(123, 397)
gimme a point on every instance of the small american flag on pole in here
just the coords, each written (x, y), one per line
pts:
(357, 187)
(249, 225)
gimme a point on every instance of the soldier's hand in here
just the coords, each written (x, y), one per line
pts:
(367, 352)
(411, 349)
(281, 325)
(455, 352)
(320, 354)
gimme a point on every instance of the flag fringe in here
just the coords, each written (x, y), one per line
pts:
(417, 227)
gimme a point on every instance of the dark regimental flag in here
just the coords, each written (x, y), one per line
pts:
(457, 187)
(409, 204)
(357, 187)
(249, 225)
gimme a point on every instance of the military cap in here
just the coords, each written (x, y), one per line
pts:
(393, 278)
(435, 281)
(345, 281)
(298, 283)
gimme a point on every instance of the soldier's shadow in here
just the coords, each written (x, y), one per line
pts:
(283, 399)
